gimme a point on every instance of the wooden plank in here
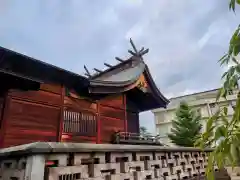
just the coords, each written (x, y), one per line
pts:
(130, 106)
(133, 122)
(47, 98)
(1, 109)
(57, 89)
(4, 120)
(125, 113)
(109, 126)
(30, 122)
(116, 101)
(68, 137)
(111, 112)
(61, 118)
(79, 104)
(98, 124)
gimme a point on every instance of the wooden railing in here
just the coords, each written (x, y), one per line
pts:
(80, 123)
(134, 138)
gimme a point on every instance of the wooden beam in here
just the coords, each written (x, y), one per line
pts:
(133, 46)
(98, 138)
(144, 52)
(87, 75)
(97, 70)
(133, 53)
(61, 119)
(87, 71)
(108, 65)
(141, 50)
(119, 59)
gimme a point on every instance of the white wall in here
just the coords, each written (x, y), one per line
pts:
(205, 102)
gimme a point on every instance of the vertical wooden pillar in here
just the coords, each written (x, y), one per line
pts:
(60, 130)
(5, 115)
(98, 124)
(125, 113)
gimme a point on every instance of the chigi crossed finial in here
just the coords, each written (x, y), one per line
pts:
(135, 52)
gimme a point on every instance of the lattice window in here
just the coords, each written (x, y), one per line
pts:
(80, 123)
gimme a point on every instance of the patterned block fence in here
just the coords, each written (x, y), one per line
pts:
(75, 161)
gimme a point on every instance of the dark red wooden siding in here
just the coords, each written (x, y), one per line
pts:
(29, 122)
(80, 119)
(39, 116)
(132, 116)
(32, 116)
(1, 109)
(111, 116)
(133, 122)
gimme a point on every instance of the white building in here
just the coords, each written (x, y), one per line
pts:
(204, 103)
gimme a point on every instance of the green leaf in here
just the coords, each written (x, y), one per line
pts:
(224, 60)
(237, 68)
(209, 170)
(231, 71)
(232, 5)
(210, 122)
(235, 60)
(225, 110)
(221, 131)
(236, 48)
(223, 117)
(234, 40)
(221, 93)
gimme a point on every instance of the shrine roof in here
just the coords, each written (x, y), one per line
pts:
(130, 76)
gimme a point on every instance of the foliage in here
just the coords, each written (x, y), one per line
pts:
(223, 132)
(186, 126)
(143, 131)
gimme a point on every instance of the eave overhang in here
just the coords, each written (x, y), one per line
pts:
(24, 67)
(126, 80)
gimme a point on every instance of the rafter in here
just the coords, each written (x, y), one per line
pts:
(119, 59)
(87, 75)
(108, 65)
(97, 70)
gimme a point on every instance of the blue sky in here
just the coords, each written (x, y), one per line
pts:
(185, 38)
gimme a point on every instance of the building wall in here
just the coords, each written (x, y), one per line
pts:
(52, 114)
(204, 103)
(31, 116)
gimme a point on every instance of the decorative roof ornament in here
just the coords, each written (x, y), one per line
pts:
(97, 70)
(135, 52)
(119, 59)
(87, 71)
(108, 65)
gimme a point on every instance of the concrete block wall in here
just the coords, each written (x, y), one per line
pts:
(70, 161)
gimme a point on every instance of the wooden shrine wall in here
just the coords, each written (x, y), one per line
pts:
(1, 109)
(112, 115)
(80, 119)
(32, 116)
(96, 122)
(132, 116)
(51, 115)
(93, 121)
(1, 114)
